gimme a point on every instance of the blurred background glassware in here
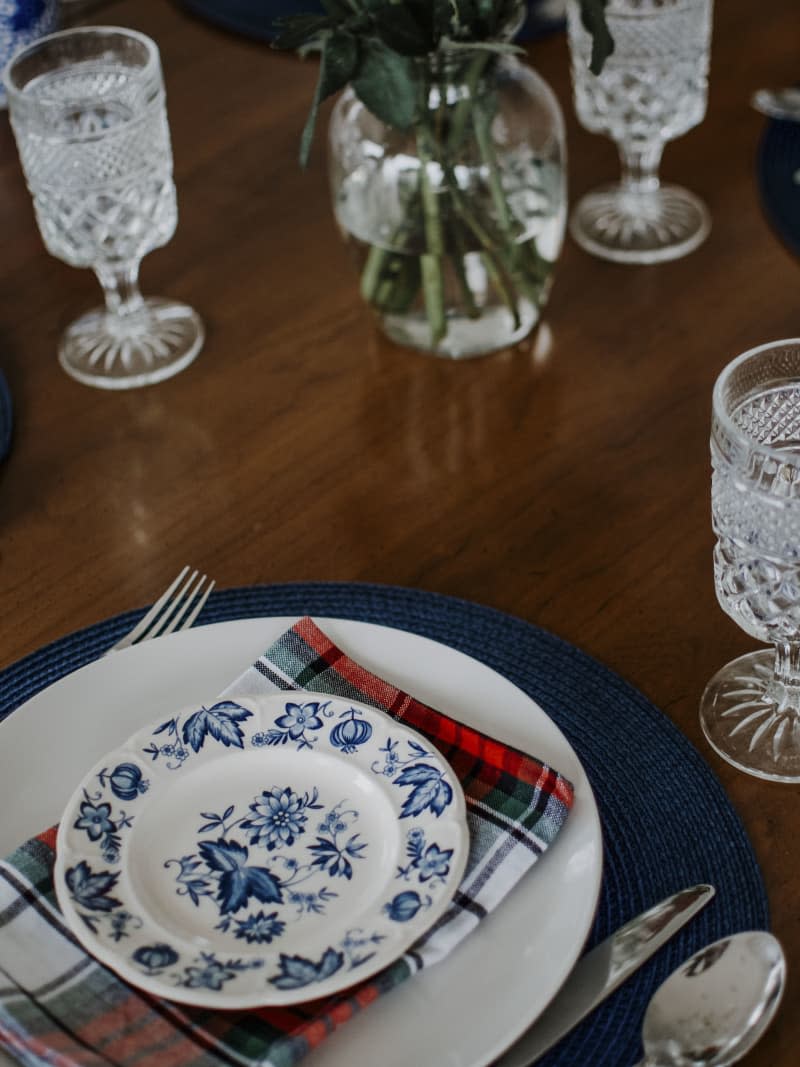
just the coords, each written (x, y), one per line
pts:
(22, 21)
(750, 710)
(652, 89)
(87, 107)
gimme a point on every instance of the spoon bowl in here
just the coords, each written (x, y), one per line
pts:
(715, 1007)
(778, 103)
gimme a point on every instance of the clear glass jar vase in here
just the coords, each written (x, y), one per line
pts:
(458, 222)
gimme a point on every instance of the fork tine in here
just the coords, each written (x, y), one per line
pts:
(180, 620)
(153, 613)
(187, 622)
(164, 623)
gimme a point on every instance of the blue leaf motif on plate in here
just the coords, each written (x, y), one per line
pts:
(430, 790)
(221, 721)
(330, 857)
(297, 971)
(91, 889)
(238, 882)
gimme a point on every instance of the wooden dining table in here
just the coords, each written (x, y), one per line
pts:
(565, 482)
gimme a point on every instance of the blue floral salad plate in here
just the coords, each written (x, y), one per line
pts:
(261, 852)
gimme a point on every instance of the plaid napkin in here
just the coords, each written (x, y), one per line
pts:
(59, 1006)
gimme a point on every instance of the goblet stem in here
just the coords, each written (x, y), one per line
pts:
(121, 289)
(640, 165)
(786, 684)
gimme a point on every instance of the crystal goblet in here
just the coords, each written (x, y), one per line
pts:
(88, 111)
(750, 710)
(652, 89)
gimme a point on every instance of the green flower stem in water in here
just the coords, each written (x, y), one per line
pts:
(431, 261)
(451, 222)
(457, 242)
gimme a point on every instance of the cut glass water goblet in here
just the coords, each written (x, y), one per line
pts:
(652, 89)
(88, 111)
(750, 710)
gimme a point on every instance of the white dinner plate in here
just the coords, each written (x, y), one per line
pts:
(464, 1011)
(285, 846)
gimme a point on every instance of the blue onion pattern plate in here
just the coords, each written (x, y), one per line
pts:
(267, 851)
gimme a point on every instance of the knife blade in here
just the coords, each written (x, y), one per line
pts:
(597, 974)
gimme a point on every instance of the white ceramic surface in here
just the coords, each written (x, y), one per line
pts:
(261, 851)
(461, 1013)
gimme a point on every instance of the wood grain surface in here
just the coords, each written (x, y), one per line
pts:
(566, 482)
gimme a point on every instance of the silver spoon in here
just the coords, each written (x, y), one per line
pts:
(715, 1007)
(778, 103)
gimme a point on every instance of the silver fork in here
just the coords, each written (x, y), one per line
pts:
(176, 609)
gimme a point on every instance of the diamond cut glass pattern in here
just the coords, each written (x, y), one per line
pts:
(89, 115)
(652, 89)
(750, 711)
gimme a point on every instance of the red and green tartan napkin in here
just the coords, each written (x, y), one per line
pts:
(59, 1006)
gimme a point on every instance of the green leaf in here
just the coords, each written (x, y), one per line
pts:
(399, 29)
(593, 17)
(296, 30)
(339, 9)
(389, 85)
(338, 64)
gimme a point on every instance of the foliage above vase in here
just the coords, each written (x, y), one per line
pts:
(447, 162)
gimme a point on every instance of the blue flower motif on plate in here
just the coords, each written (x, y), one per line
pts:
(299, 724)
(429, 862)
(209, 972)
(260, 929)
(97, 820)
(278, 817)
(228, 872)
(282, 827)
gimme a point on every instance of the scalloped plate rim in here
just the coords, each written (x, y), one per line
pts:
(107, 953)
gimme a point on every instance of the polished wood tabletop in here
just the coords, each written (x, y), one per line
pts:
(566, 482)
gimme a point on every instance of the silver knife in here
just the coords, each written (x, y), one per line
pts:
(601, 971)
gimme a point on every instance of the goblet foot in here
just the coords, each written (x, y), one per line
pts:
(752, 720)
(140, 348)
(628, 226)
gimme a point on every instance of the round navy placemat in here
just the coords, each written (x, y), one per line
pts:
(258, 18)
(6, 418)
(667, 823)
(778, 161)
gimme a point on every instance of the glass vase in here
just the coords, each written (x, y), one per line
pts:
(457, 223)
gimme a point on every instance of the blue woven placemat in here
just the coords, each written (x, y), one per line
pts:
(6, 418)
(777, 163)
(257, 18)
(667, 823)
